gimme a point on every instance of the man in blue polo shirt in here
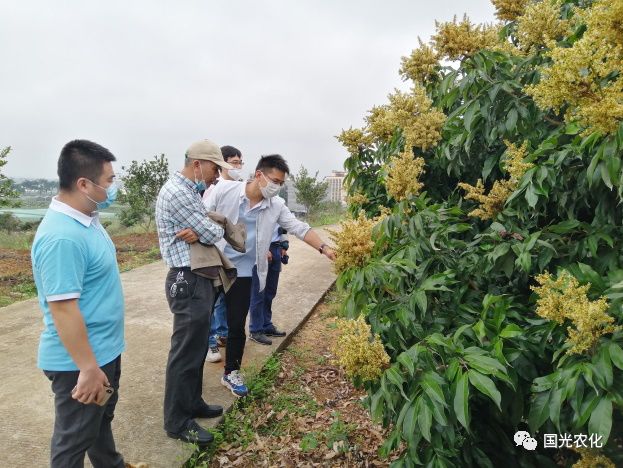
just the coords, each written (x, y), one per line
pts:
(79, 289)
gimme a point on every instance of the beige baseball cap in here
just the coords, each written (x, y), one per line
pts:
(208, 151)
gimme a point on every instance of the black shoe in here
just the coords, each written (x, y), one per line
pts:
(208, 411)
(193, 434)
(274, 332)
(260, 338)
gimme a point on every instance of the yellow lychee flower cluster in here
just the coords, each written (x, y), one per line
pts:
(385, 211)
(563, 299)
(592, 459)
(422, 65)
(509, 10)
(357, 198)
(381, 123)
(404, 173)
(358, 352)
(353, 242)
(458, 40)
(492, 203)
(354, 139)
(413, 112)
(420, 121)
(586, 79)
(540, 24)
(514, 162)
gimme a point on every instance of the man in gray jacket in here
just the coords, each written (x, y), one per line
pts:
(255, 204)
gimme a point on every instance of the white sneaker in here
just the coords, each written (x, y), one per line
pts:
(214, 355)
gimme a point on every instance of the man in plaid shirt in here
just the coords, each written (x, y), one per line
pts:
(182, 219)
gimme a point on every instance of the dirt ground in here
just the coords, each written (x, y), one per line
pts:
(16, 282)
(312, 416)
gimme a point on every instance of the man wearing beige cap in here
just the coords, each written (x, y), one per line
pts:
(182, 219)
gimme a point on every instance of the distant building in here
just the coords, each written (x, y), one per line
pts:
(335, 191)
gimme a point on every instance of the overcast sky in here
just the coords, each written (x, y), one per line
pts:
(148, 77)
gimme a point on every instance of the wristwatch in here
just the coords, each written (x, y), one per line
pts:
(321, 248)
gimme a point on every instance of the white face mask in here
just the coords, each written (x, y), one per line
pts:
(235, 174)
(271, 189)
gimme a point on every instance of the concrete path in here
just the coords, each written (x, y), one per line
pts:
(26, 401)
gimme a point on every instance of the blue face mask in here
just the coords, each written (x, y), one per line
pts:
(200, 185)
(111, 196)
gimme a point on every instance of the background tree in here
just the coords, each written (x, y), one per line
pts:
(8, 194)
(141, 184)
(309, 191)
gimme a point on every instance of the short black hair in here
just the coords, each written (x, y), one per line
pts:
(81, 158)
(230, 152)
(273, 161)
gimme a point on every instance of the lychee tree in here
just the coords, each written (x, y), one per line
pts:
(486, 239)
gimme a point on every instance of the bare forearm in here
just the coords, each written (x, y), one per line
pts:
(73, 333)
(313, 239)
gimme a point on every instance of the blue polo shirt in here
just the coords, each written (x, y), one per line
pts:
(74, 258)
(245, 262)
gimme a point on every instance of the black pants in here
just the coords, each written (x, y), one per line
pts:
(191, 300)
(237, 300)
(80, 428)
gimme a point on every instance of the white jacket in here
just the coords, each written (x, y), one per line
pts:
(226, 199)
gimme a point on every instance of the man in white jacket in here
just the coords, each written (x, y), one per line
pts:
(254, 203)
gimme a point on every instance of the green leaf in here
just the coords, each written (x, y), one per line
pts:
(407, 361)
(500, 249)
(511, 120)
(485, 385)
(394, 376)
(511, 331)
(484, 364)
(616, 355)
(409, 422)
(425, 419)
(602, 368)
(461, 401)
(605, 175)
(488, 166)
(555, 402)
(539, 411)
(421, 301)
(531, 197)
(468, 117)
(600, 422)
(564, 227)
(432, 389)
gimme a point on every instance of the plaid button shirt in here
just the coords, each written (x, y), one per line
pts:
(179, 207)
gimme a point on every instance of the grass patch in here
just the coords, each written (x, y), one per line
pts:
(19, 240)
(237, 428)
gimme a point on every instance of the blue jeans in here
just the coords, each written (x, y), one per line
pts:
(262, 302)
(219, 320)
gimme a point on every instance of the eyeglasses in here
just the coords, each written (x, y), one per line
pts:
(278, 182)
(236, 163)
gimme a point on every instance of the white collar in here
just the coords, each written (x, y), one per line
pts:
(79, 216)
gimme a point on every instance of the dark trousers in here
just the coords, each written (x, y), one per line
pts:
(237, 301)
(191, 300)
(261, 312)
(80, 428)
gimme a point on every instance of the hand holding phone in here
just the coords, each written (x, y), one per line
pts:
(103, 396)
